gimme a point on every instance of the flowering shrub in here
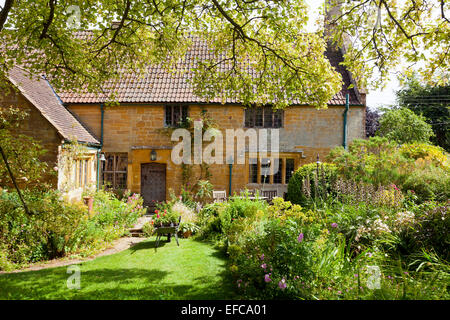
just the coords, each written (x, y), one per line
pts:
(57, 228)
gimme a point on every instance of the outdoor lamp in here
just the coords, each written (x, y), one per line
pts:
(153, 155)
(102, 157)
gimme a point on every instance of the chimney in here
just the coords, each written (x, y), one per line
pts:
(115, 25)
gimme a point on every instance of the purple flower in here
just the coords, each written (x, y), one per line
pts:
(300, 237)
(264, 266)
(262, 257)
(282, 284)
(267, 278)
(334, 225)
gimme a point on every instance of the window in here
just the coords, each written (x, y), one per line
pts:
(267, 172)
(253, 170)
(175, 115)
(289, 169)
(263, 117)
(115, 170)
(278, 176)
(86, 171)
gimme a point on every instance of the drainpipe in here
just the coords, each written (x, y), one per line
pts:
(102, 112)
(229, 182)
(347, 107)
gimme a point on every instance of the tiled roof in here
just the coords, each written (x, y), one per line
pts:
(39, 92)
(157, 85)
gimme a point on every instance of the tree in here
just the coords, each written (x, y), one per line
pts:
(260, 50)
(21, 151)
(379, 34)
(404, 126)
(433, 103)
(372, 122)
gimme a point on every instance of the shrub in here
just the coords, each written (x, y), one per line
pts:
(56, 228)
(309, 182)
(404, 126)
(380, 162)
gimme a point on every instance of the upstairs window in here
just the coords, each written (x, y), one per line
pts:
(175, 115)
(263, 117)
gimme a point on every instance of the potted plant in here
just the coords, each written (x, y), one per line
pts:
(188, 228)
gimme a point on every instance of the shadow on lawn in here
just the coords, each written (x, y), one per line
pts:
(110, 284)
(118, 283)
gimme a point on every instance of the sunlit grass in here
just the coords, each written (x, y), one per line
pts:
(194, 270)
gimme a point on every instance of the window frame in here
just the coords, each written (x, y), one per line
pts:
(252, 115)
(115, 172)
(184, 114)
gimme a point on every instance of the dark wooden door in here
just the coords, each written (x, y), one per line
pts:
(153, 183)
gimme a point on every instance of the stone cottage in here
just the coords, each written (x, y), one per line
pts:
(57, 129)
(138, 152)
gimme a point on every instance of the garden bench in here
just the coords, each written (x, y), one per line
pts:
(220, 196)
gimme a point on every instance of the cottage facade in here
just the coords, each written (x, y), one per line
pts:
(134, 141)
(148, 104)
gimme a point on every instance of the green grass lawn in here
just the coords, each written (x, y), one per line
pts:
(194, 270)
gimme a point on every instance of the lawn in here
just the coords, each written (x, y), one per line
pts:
(194, 270)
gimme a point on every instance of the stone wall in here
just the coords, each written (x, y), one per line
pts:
(138, 129)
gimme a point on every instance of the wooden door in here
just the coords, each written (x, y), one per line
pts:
(153, 183)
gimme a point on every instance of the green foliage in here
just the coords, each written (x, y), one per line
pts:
(308, 182)
(23, 153)
(162, 33)
(58, 228)
(404, 126)
(432, 102)
(378, 161)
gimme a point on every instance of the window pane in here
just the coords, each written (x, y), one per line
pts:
(289, 169)
(185, 113)
(121, 181)
(168, 115)
(253, 171)
(250, 117)
(268, 115)
(108, 179)
(121, 163)
(109, 163)
(265, 170)
(80, 173)
(278, 173)
(86, 170)
(176, 115)
(278, 119)
(258, 117)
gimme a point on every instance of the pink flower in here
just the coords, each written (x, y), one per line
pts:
(300, 237)
(282, 284)
(262, 257)
(334, 225)
(264, 266)
(267, 278)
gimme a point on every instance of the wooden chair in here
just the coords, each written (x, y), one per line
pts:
(269, 194)
(219, 196)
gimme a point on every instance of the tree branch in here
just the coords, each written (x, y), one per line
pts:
(4, 13)
(49, 20)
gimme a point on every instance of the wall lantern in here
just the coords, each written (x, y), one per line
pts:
(153, 155)
(102, 157)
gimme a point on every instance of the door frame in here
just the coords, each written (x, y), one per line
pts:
(164, 169)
